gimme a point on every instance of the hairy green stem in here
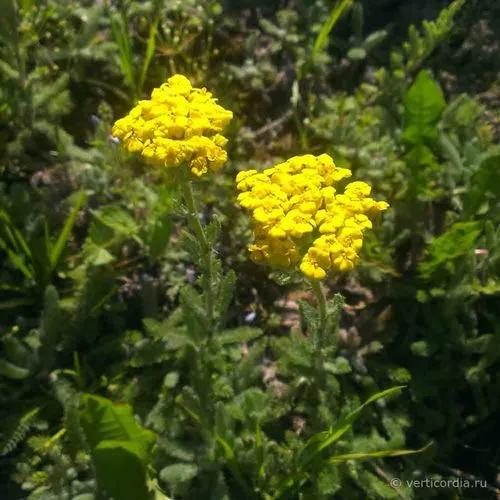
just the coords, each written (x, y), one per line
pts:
(321, 300)
(202, 366)
(206, 251)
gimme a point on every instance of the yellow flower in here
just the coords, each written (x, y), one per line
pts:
(312, 269)
(300, 218)
(179, 125)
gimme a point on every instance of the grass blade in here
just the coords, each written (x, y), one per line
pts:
(322, 440)
(65, 233)
(148, 55)
(122, 40)
(375, 454)
(317, 443)
(338, 9)
(232, 464)
(15, 246)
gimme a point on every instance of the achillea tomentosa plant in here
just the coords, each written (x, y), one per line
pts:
(178, 130)
(301, 220)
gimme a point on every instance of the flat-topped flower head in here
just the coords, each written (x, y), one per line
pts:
(301, 219)
(179, 125)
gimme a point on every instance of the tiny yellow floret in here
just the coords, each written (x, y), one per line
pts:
(179, 125)
(300, 218)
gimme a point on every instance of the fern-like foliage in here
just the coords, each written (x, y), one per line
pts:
(69, 399)
(421, 43)
(18, 431)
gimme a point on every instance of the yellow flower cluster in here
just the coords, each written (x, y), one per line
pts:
(299, 216)
(179, 125)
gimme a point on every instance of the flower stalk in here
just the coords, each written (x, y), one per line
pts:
(320, 333)
(205, 250)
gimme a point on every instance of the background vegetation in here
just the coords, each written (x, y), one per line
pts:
(98, 300)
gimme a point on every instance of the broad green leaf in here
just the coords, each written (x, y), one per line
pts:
(423, 105)
(104, 420)
(120, 447)
(120, 470)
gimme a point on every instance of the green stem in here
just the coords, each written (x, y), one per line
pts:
(206, 251)
(321, 300)
(201, 376)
